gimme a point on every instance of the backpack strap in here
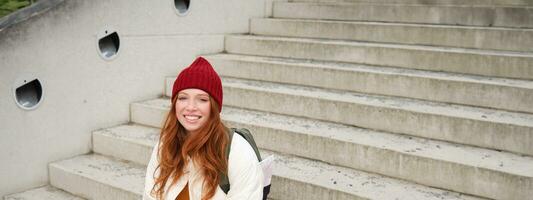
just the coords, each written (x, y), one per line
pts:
(224, 181)
(245, 133)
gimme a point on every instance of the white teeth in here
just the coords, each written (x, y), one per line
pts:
(191, 117)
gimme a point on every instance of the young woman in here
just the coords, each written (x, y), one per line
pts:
(190, 157)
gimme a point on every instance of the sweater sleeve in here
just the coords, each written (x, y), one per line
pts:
(149, 179)
(244, 172)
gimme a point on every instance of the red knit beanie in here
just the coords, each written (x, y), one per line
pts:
(200, 75)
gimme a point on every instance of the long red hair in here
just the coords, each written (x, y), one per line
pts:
(207, 150)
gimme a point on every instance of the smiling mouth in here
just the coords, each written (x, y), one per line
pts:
(192, 117)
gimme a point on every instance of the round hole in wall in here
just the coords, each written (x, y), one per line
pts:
(182, 6)
(108, 44)
(28, 93)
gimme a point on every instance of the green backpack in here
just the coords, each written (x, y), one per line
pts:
(245, 133)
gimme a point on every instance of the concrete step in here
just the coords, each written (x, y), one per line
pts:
(508, 94)
(313, 179)
(483, 172)
(499, 16)
(126, 142)
(42, 193)
(459, 60)
(430, 2)
(297, 178)
(511, 39)
(461, 168)
(486, 128)
(98, 177)
(150, 112)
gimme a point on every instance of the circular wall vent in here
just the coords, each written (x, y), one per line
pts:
(108, 44)
(28, 92)
(182, 6)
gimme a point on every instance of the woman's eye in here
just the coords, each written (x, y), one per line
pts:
(204, 100)
(182, 98)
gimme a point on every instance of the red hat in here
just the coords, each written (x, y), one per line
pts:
(200, 75)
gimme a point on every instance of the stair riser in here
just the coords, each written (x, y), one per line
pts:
(279, 184)
(121, 149)
(466, 131)
(496, 39)
(86, 188)
(490, 65)
(287, 189)
(148, 116)
(430, 2)
(471, 180)
(455, 15)
(442, 90)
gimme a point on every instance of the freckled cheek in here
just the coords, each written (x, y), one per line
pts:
(178, 110)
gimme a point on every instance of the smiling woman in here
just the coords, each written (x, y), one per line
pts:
(190, 159)
(192, 109)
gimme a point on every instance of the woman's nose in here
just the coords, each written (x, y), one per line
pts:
(190, 105)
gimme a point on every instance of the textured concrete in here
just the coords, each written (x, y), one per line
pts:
(42, 193)
(462, 124)
(126, 142)
(151, 112)
(456, 167)
(431, 2)
(500, 16)
(438, 164)
(468, 61)
(511, 39)
(508, 94)
(98, 177)
(297, 178)
(292, 172)
(83, 92)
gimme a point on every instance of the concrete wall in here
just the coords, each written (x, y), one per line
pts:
(83, 92)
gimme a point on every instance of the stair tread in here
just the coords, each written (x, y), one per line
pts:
(355, 182)
(456, 153)
(138, 134)
(319, 173)
(406, 5)
(379, 70)
(420, 106)
(355, 22)
(430, 2)
(116, 173)
(43, 193)
(386, 45)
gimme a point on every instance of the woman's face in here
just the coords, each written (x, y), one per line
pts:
(193, 108)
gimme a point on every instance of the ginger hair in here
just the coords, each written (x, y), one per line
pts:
(206, 148)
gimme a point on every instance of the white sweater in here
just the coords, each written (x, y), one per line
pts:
(244, 174)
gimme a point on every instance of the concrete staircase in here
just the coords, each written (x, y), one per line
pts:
(358, 99)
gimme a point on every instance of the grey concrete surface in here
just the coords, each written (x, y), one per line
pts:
(95, 176)
(495, 38)
(498, 16)
(127, 142)
(291, 172)
(83, 92)
(461, 124)
(458, 60)
(43, 193)
(506, 94)
(430, 2)
(455, 167)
